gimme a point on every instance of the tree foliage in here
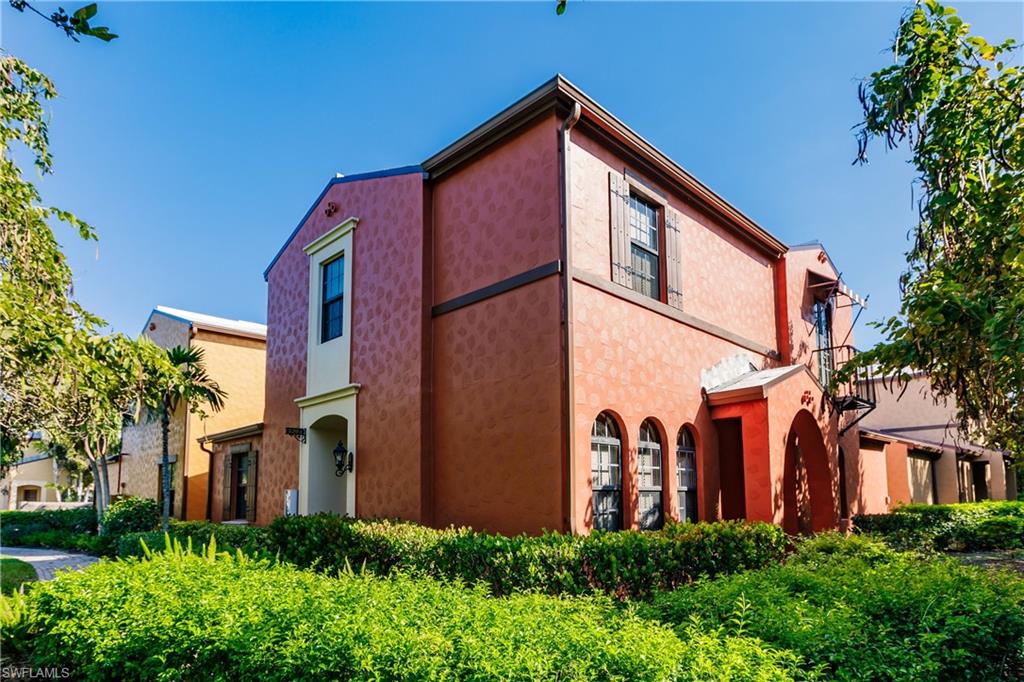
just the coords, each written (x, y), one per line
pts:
(957, 103)
(183, 381)
(38, 315)
(75, 24)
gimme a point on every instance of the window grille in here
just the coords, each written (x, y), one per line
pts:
(606, 473)
(686, 475)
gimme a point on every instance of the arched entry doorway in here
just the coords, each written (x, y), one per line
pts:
(324, 490)
(808, 499)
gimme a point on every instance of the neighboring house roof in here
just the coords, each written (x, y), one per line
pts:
(559, 91)
(232, 434)
(895, 434)
(221, 324)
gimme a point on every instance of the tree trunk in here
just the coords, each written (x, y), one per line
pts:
(102, 459)
(165, 427)
(97, 494)
(56, 479)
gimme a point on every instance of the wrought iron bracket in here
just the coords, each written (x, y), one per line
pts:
(296, 433)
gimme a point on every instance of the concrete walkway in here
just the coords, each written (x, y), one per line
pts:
(48, 561)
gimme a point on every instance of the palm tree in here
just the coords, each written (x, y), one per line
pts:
(190, 386)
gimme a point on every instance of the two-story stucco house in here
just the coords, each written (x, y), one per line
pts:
(235, 356)
(551, 324)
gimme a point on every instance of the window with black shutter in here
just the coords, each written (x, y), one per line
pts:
(645, 242)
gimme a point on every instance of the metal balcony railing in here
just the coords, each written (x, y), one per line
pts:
(855, 392)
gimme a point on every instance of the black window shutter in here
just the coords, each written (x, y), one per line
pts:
(250, 492)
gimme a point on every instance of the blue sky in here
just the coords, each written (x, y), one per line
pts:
(198, 139)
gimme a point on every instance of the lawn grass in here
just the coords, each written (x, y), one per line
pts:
(13, 573)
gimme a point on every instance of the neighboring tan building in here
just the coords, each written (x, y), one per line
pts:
(235, 356)
(915, 444)
(35, 480)
(549, 324)
(233, 473)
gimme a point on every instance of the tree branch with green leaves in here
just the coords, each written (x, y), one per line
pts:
(956, 102)
(74, 24)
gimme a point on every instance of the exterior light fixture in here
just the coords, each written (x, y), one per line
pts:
(343, 459)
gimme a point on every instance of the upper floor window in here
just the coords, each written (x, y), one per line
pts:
(644, 246)
(646, 241)
(648, 465)
(822, 312)
(686, 475)
(332, 298)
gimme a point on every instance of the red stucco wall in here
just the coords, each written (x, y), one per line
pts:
(497, 368)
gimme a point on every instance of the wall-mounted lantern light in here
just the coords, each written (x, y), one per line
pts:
(343, 459)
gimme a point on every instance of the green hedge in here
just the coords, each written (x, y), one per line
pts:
(182, 616)
(856, 610)
(18, 527)
(626, 564)
(977, 525)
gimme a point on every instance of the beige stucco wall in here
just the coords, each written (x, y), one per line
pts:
(236, 363)
(141, 442)
(35, 474)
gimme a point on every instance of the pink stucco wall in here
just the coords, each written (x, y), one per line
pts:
(386, 345)
(725, 280)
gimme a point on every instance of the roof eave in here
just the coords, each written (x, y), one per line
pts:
(560, 90)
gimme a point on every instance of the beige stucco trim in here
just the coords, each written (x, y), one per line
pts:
(320, 398)
(325, 240)
(316, 470)
(328, 362)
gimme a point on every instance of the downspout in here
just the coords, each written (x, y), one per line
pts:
(209, 478)
(568, 393)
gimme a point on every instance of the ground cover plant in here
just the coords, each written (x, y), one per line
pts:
(236, 618)
(854, 609)
(14, 573)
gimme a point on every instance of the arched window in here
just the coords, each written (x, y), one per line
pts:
(686, 475)
(606, 473)
(648, 461)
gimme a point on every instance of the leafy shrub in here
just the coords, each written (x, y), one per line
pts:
(828, 548)
(714, 654)
(937, 527)
(998, 532)
(252, 540)
(16, 525)
(131, 515)
(233, 618)
(855, 614)
(626, 564)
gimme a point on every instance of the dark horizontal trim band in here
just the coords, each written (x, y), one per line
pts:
(491, 290)
(660, 308)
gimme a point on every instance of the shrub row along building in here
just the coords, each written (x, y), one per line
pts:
(548, 324)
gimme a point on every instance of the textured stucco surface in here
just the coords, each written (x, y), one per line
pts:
(499, 215)
(387, 312)
(236, 363)
(724, 280)
(497, 413)
(140, 472)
